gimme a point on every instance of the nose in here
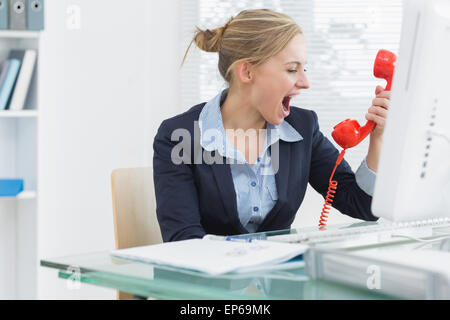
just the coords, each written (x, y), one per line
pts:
(302, 82)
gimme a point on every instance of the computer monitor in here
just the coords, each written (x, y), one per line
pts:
(413, 179)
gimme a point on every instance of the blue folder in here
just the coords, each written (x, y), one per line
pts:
(35, 14)
(9, 82)
(4, 11)
(10, 187)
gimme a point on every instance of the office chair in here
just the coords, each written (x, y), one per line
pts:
(134, 209)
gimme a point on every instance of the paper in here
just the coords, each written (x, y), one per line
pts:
(214, 257)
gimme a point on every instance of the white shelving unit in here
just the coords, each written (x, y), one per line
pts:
(19, 150)
(18, 114)
(18, 34)
(24, 195)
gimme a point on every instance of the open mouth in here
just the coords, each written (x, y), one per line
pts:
(285, 105)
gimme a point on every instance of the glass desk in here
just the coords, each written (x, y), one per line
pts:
(163, 282)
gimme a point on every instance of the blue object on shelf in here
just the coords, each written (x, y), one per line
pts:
(10, 187)
(4, 11)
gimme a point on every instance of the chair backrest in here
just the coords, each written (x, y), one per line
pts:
(134, 208)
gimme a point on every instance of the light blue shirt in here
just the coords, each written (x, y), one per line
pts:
(255, 188)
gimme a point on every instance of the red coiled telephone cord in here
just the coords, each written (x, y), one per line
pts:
(330, 194)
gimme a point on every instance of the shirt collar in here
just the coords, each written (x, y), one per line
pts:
(211, 127)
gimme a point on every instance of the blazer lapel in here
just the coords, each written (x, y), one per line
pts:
(224, 181)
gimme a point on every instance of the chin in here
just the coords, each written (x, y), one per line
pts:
(276, 121)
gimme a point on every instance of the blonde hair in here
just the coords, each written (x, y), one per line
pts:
(252, 35)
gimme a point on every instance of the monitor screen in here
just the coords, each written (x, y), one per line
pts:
(413, 179)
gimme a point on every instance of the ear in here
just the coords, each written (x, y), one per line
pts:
(244, 71)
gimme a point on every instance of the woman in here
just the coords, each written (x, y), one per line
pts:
(241, 162)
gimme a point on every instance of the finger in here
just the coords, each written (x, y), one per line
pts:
(384, 94)
(381, 102)
(379, 111)
(380, 121)
(378, 89)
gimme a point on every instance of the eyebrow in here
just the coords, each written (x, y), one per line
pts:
(296, 62)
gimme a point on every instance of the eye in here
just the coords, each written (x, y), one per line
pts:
(292, 71)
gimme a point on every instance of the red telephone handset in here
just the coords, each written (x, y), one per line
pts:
(349, 133)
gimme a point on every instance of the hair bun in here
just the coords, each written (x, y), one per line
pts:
(209, 40)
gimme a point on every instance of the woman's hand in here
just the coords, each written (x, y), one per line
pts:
(377, 113)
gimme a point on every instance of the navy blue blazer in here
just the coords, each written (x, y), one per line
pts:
(195, 199)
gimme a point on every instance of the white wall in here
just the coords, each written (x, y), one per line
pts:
(105, 87)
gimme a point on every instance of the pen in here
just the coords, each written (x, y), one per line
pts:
(234, 239)
(237, 238)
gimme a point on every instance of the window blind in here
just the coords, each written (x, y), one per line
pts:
(343, 38)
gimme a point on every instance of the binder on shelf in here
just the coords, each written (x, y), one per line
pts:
(4, 12)
(35, 14)
(7, 86)
(28, 58)
(17, 15)
(10, 187)
(3, 70)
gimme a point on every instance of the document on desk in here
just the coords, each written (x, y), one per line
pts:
(215, 257)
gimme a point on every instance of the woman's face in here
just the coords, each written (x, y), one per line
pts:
(279, 79)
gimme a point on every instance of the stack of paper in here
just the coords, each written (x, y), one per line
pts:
(213, 256)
